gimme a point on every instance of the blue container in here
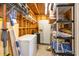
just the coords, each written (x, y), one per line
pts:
(67, 48)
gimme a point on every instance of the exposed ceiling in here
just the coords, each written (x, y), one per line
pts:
(37, 8)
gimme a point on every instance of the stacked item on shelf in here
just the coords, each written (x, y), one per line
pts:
(63, 47)
(61, 34)
(53, 44)
(67, 48)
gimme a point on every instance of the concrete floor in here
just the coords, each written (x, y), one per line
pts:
(42, 51)
(1, 48)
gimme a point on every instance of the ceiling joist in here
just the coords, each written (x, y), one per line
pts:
(30, 10)
(37, 8)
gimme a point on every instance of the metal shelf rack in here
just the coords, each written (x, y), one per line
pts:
(59, 50)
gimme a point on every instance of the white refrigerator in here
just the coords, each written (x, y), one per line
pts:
(44, 30)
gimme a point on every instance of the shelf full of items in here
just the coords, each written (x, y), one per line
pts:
(63, 31)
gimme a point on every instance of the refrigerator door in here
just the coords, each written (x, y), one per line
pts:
(44, 30)
(46, 33)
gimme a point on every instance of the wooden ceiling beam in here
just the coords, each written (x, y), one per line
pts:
(37, 8)
(30, 10)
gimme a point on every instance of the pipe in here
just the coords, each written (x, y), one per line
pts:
(46, 4)
(10, 10)
(20, 8)
(4, 30)
(49, 6)
(4, 16)
(54, 8)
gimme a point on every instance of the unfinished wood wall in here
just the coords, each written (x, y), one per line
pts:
(41, 17)
(28, 27)
(1, 10)
(25, 26)
(44, 17)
